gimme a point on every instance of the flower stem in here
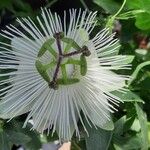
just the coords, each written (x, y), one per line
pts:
(122, 6)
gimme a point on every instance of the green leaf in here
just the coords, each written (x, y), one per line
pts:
(141, 52)
(6, 4)
(5, 144)
(132, 143)
(136, 125)
(144, 128)
(109, 126)
(148, 132)
(129, 122)
(22, 5)
(134, 4)
(143, 21)
(145, 84)
(118, 137)
(18, 137)
(109, 5)
(139, 4)
(123, 141)
(119, 125)
(138, 68)
(129, 96)
(98, 139)
(30, 141)
(35, 142)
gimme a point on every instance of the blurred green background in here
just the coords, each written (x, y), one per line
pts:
(132, 24)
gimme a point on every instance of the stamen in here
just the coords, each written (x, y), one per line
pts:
(53, 85)
(84, 51)
(58, 36)
(72, 53)
(57, 68)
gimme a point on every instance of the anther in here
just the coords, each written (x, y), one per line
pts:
(58, 35)
(53, 85)
(86, 51)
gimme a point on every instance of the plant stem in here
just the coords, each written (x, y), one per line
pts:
(122, 6)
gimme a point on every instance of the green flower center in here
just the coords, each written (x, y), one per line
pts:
(60, 59)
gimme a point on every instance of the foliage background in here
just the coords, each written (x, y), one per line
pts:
(132, 126)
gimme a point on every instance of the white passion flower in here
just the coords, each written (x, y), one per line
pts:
(54, 71)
